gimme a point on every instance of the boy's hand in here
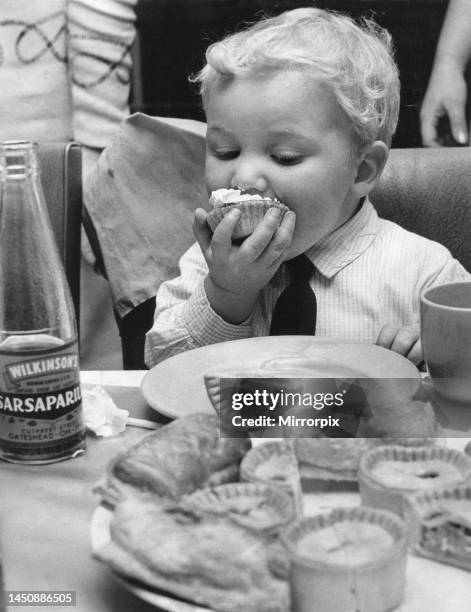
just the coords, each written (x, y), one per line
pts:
(402, 340)
(238, 273)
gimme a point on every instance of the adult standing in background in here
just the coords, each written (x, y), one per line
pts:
(65, 75)
(447, 93)
(65, 70)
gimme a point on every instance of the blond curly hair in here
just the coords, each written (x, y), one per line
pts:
(354, 59)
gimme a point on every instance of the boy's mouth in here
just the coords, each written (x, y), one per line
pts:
(255, 192)
(250, 191)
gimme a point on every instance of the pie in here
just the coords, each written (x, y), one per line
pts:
(393, 417)
(252, 505)
(181, 457)
(338, 458)
(440, 525)
(274, 463)
(330, 458)
(348, 559)
(207, 559)
(388, 473)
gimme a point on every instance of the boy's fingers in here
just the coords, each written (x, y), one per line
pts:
(282, 239)
(201, 229)
(401, 340)
(386, 336)
(256, 243)
(221, 241)
(405, 339)
(415, 354)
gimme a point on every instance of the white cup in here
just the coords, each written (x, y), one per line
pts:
(446, 339)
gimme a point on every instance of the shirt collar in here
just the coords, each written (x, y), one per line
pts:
(346, 243)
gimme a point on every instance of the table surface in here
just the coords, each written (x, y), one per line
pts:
(45, 524)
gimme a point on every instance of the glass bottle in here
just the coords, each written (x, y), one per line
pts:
(40, 399)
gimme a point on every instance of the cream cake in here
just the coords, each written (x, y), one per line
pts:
(252, 205)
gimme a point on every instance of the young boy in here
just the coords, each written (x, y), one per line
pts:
(301, 107)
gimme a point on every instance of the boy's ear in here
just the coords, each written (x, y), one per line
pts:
(371, 165)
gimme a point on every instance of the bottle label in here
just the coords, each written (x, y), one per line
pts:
(40, 398)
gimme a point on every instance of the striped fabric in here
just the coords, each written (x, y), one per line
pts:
(369, 272)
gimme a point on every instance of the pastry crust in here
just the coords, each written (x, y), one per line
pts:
(252, 206)
(274, 463)
(440, 525)
(338, 458)
(206, 559)
(389, 473)
(249, 504)
(348, 559)
(177, 459)
(330, 458)
(393, 417)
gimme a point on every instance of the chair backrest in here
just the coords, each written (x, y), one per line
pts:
(428, 191)
(61, 177)
(139, 202)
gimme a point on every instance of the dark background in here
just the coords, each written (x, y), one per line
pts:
(173, 35)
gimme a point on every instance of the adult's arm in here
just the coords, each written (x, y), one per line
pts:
(447, 91)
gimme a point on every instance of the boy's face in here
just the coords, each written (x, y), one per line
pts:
(287, 138)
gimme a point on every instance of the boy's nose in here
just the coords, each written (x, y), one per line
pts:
(247, 177)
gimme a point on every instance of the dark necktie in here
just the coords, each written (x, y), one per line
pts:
(295, 311)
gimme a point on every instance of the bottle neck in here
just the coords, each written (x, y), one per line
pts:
(18, 160)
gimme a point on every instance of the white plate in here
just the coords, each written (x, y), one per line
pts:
(100, 535)
(430, 586)
(175, 387)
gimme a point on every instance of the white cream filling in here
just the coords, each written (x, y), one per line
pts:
(220, 197)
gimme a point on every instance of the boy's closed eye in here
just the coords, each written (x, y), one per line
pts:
(287, 159)
(283, 159)
(225, 154)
